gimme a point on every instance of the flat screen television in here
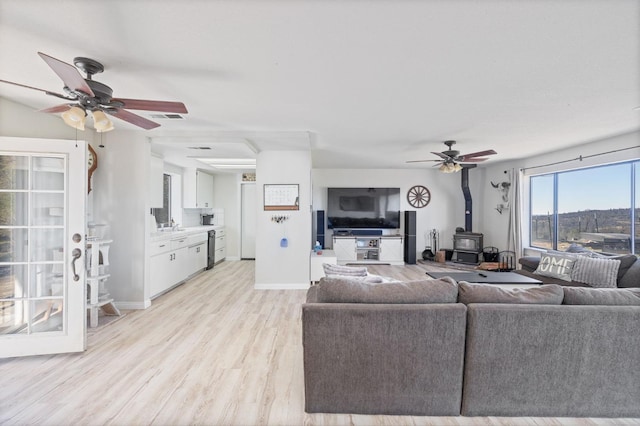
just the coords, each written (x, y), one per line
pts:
(364, 208)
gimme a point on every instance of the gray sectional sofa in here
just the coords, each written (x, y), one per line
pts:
(430, 348)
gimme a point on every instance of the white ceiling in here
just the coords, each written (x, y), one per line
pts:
(364, 84)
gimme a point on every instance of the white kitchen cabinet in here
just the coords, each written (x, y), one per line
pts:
(221, 246)
(197, 189)
(189, 184)
(156, 182)
(165, 270)
(345, 249)
(204, 190)
(391, 250)
(197, 253)
(175, 259)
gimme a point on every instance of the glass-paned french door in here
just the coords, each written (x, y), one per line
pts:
(42, 233)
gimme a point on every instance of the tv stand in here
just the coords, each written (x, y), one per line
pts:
(369, 249)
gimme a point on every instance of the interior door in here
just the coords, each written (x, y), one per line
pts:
(43, 186)
(248, 225)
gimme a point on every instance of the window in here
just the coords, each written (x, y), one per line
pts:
(596, 207)
(542, 211)
(163, 215)
(636, 217)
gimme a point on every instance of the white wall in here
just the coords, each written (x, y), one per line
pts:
(121, 186)
(278, 267)
(22, 121)
(444, 213)
(495, 225)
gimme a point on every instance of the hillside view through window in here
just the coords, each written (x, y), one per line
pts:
(591, 207)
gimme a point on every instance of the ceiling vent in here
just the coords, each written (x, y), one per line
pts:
(167, 116)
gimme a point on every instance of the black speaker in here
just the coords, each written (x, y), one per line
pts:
(320, 227)
(410, 237)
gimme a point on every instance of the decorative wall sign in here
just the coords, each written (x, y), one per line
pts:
(418, 196)
(503, 188)
(281, 197)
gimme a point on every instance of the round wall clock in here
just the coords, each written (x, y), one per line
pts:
(418, 196)
(92, 165)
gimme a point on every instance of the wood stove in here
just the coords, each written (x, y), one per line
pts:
(467, 247)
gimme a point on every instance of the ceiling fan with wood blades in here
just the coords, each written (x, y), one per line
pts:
(452, 161)
(85, 94)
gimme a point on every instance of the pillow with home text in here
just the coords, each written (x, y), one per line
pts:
(555, 266)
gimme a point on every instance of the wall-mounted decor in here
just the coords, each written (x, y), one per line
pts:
(418, 196)
(281, 197)
(503, 188)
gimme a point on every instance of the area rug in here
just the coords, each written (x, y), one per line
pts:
(431, 266)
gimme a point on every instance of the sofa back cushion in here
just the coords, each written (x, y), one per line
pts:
(626, 262)
(346, 290)
(547, 294)
(601, 296)
(631, 278)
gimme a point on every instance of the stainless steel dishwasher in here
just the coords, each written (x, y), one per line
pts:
(211, 249)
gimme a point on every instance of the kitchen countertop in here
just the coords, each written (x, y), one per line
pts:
(167, 235)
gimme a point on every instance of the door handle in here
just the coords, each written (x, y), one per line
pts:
(75, 254)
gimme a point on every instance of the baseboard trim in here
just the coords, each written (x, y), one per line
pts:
(282, 286)
(133, 305)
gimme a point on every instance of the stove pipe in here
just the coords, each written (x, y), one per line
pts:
(467, 199)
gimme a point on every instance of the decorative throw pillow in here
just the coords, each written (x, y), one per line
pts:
(601, 296)
(349, 271)
(350, 290)
(556, 266)
(596, 272)
(547, 294)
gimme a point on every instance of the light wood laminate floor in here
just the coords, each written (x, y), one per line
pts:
(213, 351)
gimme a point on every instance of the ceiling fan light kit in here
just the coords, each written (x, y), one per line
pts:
(75, 117)
(450, 167)
(101, 122)
(451, 161)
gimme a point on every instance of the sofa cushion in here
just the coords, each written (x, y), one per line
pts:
(556, 266)
(529, 263)
(601, 296)
(349, 271)
(631, 277)
(626, 262)
(347, 290)
(597, 272)
(312, 294)
(547, 294)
